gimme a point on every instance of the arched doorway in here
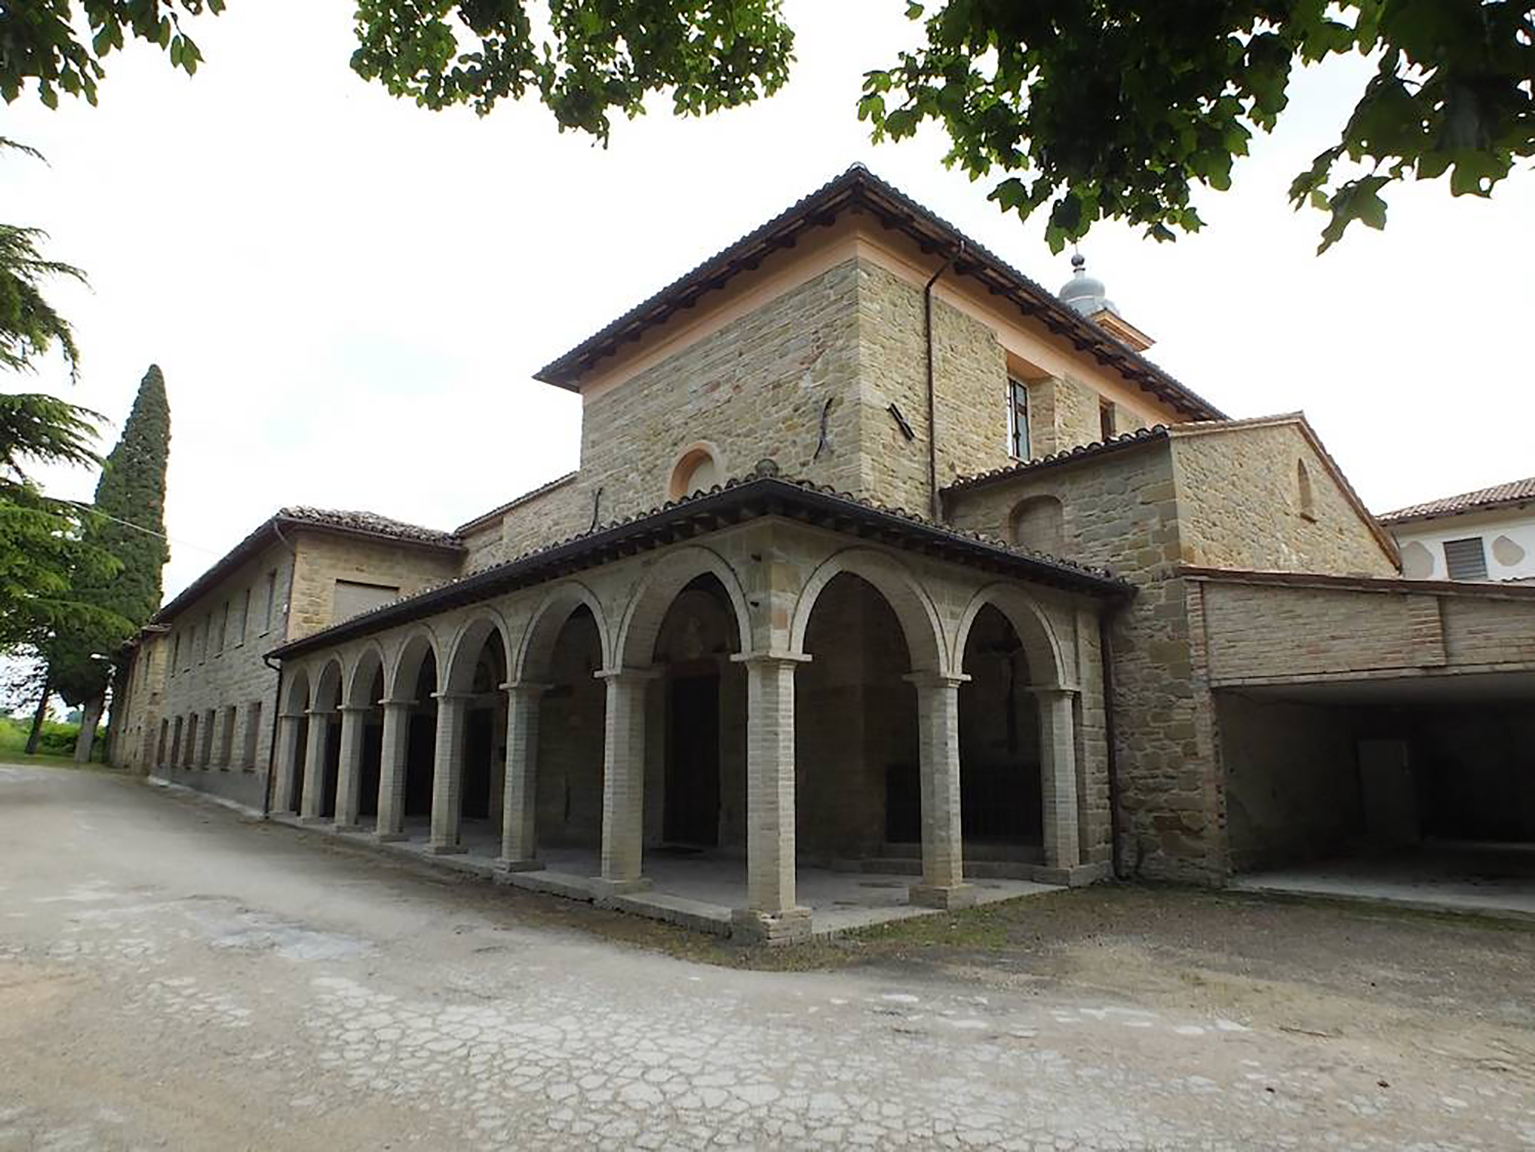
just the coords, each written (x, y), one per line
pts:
(566, 653)
(698, 778)
(357, 801)
(324, 754)
(999, 746)
(295, 720)
(476, 674)
(858, 791)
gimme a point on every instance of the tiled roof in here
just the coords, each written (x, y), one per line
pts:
(860, 188)
(369, 523)
(1513, 492)
(325, 519)
(502, 509)
(651, 528)
(1079, 452)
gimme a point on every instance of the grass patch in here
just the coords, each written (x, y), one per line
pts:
(56, 743)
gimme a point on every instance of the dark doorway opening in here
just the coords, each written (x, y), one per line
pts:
(332, 768)
(372, 768)
(300, 756)
(693, 768)
(479, 749)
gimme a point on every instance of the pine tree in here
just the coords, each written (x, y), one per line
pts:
(127, 521)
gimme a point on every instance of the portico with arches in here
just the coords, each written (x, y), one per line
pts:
(698, 706)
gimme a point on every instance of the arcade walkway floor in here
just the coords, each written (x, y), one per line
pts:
(697, 889)
(174, 975)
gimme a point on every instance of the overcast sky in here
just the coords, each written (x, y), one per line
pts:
(349, 295)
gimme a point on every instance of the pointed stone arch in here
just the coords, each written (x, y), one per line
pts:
(651, 599)
(903, 591)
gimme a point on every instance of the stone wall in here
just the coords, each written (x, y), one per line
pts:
(755, 388)
(213, 678)
(1121, 510)
(323, 558)
(1239, 496)
(1064, 413)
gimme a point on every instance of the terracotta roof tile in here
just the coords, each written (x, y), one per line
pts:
(1512, 492)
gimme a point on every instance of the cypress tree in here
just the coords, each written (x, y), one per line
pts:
(127, 521)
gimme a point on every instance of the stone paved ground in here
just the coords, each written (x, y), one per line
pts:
(174, 976)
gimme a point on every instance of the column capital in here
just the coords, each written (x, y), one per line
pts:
(771, 657)
(530, 687)
(627, 674)
(937, 679)
(345, 708)
(453, 697)
(299, 715)
(321, 711)
(388, 703)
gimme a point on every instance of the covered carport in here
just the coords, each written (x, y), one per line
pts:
(1376, 737)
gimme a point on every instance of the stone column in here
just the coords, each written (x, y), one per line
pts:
(391, 770)
(943, 884)
(519, 845)
(771, 912)
(287, 759)
(314, 767)
(349, 774)
(448, 773)
(1058, 777)
(623, 783)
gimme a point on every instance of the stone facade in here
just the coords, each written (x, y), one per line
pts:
(810, 674)
(201, 705)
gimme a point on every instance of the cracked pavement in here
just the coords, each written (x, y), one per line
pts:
(173, 975)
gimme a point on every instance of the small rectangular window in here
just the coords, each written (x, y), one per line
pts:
(252, 732)
(242, 617)
(1107, 425)
(271, 600)
(1465, 559)
(352, 597)
(224, 627)
(1017, 419)
(227, 737)
(176, 654)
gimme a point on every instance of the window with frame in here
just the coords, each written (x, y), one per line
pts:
(1017, 419)
(271, 600)
(242, 618)
(1108, 420)
(1465, 559)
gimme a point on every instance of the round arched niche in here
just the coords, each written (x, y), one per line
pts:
(697, 470)
(1039, 524)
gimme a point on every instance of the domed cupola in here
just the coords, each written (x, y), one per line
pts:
(1086, 296)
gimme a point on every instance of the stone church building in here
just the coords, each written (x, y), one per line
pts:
(880, 558)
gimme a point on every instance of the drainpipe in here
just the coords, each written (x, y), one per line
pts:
(271, 755)
(936, 509)
(1106, 655)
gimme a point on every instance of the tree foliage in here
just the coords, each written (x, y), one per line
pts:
(1119, 110)
(127, 522)
(596, 57)
(40, 41)
(1088, 109)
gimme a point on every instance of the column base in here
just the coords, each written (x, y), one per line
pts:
(505, 864)
(311, 821)
(348, 828)
(749, 926)
(445, 849)
(389, 837)
(603, 887)
(947, 896)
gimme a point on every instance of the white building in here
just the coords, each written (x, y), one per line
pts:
(1484, 535)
